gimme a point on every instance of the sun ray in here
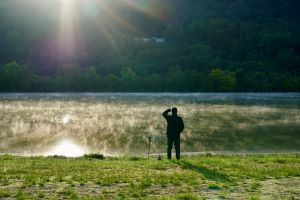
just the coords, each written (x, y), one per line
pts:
(106, 18)
(66, 41)
(116, 16)
(144, 7)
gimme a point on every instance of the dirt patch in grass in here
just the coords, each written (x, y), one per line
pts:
(285, 188)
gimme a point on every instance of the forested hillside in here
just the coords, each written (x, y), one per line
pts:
(149, 45)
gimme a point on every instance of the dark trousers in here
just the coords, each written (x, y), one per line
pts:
(176, 142)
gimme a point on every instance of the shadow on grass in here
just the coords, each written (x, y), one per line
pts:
(206, 172)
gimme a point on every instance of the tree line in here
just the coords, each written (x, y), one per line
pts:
(16, 77)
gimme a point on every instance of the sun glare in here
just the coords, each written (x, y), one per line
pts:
(66, 119)
(73, 13)
(66, 148)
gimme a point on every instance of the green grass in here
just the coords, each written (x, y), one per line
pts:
(193, 177)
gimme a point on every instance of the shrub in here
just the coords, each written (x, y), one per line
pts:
(95, 156)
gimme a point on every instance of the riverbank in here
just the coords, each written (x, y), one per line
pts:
(272, 176)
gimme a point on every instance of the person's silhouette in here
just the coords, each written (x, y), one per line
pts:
(174, 128)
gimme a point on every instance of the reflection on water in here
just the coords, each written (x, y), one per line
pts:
(66, 119)
(115, 123)
(67, 148)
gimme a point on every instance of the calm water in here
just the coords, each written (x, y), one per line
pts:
(72, 124)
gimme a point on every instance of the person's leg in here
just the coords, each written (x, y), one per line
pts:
(177, 147)
(169, 148)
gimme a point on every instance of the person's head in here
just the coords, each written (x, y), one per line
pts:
(174, 111)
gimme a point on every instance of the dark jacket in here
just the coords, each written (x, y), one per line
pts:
(175, 124)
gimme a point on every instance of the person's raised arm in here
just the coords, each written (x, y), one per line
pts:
(165, 113)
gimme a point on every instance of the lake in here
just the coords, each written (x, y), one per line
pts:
(73, 124)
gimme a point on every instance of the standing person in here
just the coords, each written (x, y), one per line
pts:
(174, 128)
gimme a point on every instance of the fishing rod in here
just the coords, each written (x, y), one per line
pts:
(149, 148)
(150, 141)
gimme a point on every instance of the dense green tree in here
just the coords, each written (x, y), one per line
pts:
(287, 59)
(221, 80)
(16, 77)
(92, 81)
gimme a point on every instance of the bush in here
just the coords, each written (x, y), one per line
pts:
(94, 156)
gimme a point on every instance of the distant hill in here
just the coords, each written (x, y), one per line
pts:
(150, 45)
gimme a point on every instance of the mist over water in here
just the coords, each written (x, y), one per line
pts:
(73, 124)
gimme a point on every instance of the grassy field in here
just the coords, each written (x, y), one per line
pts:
(207, 176)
